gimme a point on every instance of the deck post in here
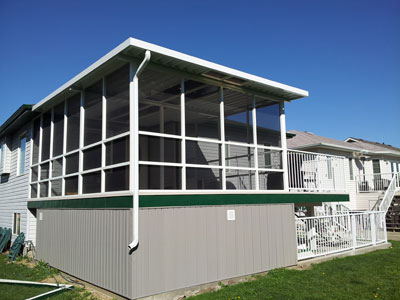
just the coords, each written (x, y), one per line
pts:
(284, 146)
(373, 228)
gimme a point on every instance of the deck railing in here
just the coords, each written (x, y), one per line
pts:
(389, 194)
(377, 182)
(323, 235)
(315, 172)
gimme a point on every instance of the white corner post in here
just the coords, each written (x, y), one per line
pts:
(373, 228)
(183, 135)
(134, 73)
(282, 120)
(254, 115)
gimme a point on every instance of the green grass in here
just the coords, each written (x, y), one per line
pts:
(375, 275)
(40, 272)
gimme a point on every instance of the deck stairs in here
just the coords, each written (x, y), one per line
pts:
(390, 203)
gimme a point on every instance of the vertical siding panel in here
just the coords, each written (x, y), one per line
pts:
(211, 242)
(179, 247)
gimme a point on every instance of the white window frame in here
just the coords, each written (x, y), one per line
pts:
(351, 169)
(22, 136)
(14, 215)
(224, 166)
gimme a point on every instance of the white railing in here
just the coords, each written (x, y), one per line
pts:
(315, 172)
(323, 235)
(389, 194)
(373, 182)
(328, 209)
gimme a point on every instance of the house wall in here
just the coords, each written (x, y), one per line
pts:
(360, 201)
(14, 188)
(179, 246)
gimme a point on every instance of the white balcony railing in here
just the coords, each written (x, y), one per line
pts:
(315, 172)
(323, 235)
(373, 182)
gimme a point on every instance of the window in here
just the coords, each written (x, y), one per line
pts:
(21, 155)
(16, 228)
(159, 102)
(2, 149)
(46, 136)
(36, 141)
(376, 167)
(351, 169)
(202, 103)
(238, 117)
(87, 157)
(117, 96)
(268, 123)
(93, 112)
(329, 167)
(193, 135)
(203, 179)
(73, 122)
(58, 135)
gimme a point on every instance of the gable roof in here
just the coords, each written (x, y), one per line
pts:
(306, 140)
(373, 146)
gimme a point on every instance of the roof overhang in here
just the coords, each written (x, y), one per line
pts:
(133, 49)
(345, 149)
(22, 115)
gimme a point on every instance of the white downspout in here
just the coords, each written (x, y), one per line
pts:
(134, 142)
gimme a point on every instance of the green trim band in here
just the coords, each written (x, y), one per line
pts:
(106, 202)
(189, 200)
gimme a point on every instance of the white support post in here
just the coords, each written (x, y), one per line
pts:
(64, 148)
(373, 228)
(162, 147)
(183, 135)
(222, 132)
(383, 216)
(254, 112)
(30, 160)
(51, 150)
(81, 141)
(282, 120)
(103, 136)
(40, 155)
(354, 231)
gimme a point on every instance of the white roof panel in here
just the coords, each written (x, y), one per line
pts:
(187, 63)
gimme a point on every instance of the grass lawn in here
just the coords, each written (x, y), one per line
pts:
(375, 275)
(39, 272)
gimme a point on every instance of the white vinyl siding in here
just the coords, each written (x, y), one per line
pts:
(14, 188)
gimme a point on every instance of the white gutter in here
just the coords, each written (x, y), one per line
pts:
(134, 143)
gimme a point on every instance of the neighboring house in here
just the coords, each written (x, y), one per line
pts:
(182, 160)
(368, 169)
(15, 146)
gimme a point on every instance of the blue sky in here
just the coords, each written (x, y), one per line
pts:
(345, 53)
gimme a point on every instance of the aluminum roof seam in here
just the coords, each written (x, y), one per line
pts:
(295, 93)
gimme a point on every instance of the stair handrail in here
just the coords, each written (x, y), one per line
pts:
(389, 194)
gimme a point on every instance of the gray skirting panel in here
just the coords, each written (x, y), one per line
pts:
(179, 246)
